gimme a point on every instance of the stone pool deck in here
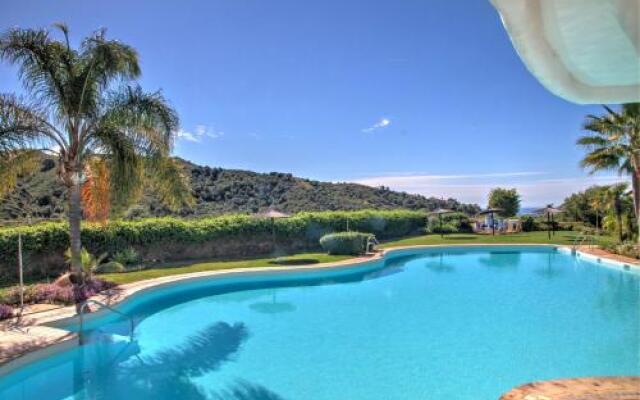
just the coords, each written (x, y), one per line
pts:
(606, 388)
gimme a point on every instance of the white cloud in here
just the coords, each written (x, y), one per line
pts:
(382, 123)
(474, 188)
(199, 133)
(185, 135)
(429, 180)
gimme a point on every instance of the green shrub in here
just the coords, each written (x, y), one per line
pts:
(109, 267)
(347, 243)
(627, 249)
(127, 256)
(451, 223)
(529, 223)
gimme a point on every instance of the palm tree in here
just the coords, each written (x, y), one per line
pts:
(597, 203)
(614, 197)
(613, 143)
(81, 105)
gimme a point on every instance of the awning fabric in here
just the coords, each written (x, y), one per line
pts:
(586, 51)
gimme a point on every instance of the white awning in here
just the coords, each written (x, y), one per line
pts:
(586, 51)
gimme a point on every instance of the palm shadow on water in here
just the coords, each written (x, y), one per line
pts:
(166, 375)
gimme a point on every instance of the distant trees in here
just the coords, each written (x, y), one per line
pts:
(605, 207)
(508, 200)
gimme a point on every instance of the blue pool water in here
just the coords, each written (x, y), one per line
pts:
(451, 323)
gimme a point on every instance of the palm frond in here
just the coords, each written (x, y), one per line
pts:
(101, 62)
(592, 141)
(96, 191)
(169, 182)
(42, 65)
(22, 125)
(613, 140)
(15, 164)
(145, 118)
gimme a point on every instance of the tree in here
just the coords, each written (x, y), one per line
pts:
(508, 200)
(613, 143)
(83, 105)
(597, 201)
(614, 198)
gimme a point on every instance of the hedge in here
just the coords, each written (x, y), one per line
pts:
(347, 243)
(166, 239)
(449, 223)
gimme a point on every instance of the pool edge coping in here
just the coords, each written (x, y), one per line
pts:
(66, 339)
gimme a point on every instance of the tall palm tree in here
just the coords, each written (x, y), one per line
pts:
(613, 143)
(597, 203)
(614, 197)
(81, 105)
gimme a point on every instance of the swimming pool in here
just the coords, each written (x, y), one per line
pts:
(438, 323)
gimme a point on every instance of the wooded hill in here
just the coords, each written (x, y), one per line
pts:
(220, 191)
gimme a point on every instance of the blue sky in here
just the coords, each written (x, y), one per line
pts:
(424, 96)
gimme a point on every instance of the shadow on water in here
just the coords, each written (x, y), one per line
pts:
(162, 376)
(274, 306)
(502, 260)
(618, 296)
(440, 266)
(550, 270)
(243, 390)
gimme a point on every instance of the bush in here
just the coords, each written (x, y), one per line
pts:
(346, 243)
(627, 249)
(451, 223)
(55, 294)
(44, 244)
(109, 267)
(5, 311)
(529, 223)
(127, 256)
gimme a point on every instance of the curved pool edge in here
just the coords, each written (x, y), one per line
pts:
(67, 339)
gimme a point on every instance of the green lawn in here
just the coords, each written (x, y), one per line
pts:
(561, 237)
(298, 259)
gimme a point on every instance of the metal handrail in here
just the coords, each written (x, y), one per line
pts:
(582, 239)
(84, 305)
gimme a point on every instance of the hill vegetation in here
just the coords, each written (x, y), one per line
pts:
(222, 191)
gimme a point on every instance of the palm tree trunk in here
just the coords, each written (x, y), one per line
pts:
(635, 184)
(619, 218)
(75, 217)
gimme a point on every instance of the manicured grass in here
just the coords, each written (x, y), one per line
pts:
(298, 259)
(560, 237)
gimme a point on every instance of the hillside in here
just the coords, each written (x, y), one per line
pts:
(219, 191)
